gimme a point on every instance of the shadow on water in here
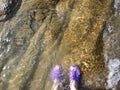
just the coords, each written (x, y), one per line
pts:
(99, 43)
(13, 11)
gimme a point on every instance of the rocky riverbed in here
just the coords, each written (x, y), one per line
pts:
(36, 34)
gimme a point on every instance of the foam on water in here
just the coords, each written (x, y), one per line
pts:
(109, 30)
(116, 2)
(114, 75)
(112, 62)
(116, 5)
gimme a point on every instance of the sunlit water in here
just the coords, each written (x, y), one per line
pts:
(112, 61)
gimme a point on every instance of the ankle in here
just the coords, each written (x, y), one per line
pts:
(73, 85)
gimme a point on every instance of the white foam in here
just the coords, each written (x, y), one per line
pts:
(114, 75)
(1, 54)
(112, 64)
(7, 39)
(4, 75)
(116, 2)
(8, 48)
(110, 28)
(5, 67)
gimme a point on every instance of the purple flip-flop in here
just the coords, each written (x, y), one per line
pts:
(74, 73)
(57, 73)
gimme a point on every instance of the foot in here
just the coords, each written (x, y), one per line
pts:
(74, 76)
(57, 77)
(57, 73)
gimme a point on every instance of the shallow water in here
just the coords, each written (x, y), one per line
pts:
(44, 33)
